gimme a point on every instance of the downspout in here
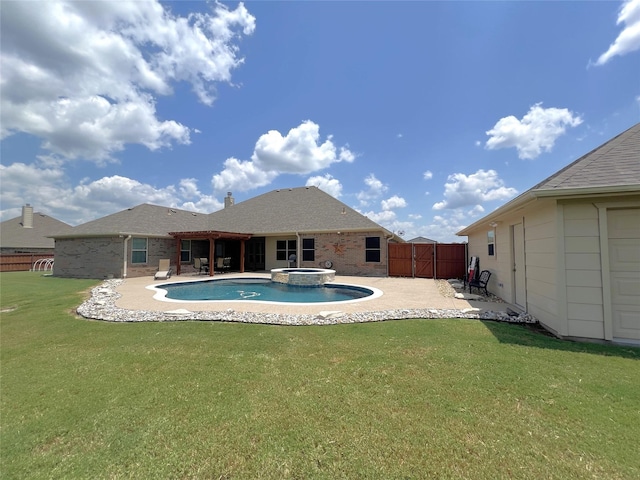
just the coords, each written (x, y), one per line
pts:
(388, 241)
(124, 266)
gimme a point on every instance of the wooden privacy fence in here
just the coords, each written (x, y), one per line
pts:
(21, 262)
(427, 260)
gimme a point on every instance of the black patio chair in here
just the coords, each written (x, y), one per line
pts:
(481, 282)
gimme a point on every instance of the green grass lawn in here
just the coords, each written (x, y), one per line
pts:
(403, 399)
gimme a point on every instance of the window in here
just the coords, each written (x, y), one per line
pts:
(139, 250)
(308, 249)
(284, 248)
(491, 242)
(185, 251)
(372, 249)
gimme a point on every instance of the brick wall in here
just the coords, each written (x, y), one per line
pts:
(88, 257)
(102, 257)
(347, 253)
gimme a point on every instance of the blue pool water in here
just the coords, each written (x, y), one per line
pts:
(262, 290)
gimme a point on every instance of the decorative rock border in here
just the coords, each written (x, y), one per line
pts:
(101, 306)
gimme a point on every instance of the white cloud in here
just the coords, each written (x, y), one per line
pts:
(299, 152)
(535, 133)
(387, 217)
(50, 192)
(629, 38)
(83, 76)
(375, 190)
(428, 175)
(327, 184)
(472, 190)
(393, 202)
(241, 176)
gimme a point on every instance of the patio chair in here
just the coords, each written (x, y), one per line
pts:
(164, 269)
(226, 263)
(201, 264)
(481, 282)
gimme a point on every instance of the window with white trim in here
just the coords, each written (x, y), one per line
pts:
(139, 248)
(284, 248)
(491, 243)
(185, 251)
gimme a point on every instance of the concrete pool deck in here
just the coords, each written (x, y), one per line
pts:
(397, 294)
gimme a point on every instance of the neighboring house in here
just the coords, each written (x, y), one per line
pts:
(568, 250)
(421, 240)
(258, 234)
(30, 232)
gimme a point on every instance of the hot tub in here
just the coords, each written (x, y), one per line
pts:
(305, 277)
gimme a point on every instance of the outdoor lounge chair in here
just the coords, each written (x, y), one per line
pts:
(481, 282)
(164, 269)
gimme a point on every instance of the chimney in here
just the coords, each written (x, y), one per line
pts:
(228, 200)
(27, 216)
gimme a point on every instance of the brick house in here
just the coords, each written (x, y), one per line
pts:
(256, 235)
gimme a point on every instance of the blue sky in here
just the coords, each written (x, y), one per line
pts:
(424, 116)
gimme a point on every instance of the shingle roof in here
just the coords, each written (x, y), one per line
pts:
(290, 210)
(14, 235)
(144, 219)
(614, 163)
(304, 209)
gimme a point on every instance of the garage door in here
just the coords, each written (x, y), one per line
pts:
(624, 262)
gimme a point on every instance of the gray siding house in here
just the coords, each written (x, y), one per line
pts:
(258, 234)
(568, 249)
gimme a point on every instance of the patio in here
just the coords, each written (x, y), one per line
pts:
(131, 301)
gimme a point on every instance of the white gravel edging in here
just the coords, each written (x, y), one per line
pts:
(101, 306)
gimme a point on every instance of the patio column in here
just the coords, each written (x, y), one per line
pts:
(212, 244)
(178, 249)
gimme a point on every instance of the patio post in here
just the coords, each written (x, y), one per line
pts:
(212, 243)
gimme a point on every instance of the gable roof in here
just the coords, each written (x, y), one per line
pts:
(613, 167)
(143, 220)
(290, 210)
(14, 235)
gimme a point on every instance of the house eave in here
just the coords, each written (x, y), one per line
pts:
(562, 193)
(557, 193)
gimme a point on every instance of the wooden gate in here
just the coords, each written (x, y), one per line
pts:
(451, 260)
(423, 256)
(427, 260)
(400, 260)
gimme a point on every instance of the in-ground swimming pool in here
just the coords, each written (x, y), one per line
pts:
(262, 290)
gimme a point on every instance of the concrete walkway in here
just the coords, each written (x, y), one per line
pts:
(397, 294)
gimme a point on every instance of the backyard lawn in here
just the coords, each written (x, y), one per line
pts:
(397, 399)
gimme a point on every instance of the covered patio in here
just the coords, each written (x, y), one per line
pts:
(211, 236)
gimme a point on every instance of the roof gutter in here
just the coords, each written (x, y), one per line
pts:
(107, 235)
